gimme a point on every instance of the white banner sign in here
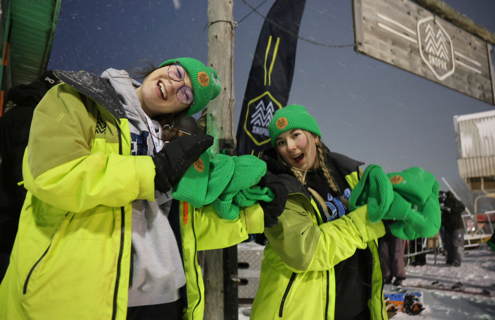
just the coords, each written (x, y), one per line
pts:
(408, 36)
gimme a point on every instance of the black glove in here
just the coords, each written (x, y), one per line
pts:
(176, 157)
(274, 208)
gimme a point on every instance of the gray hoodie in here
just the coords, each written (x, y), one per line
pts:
(157, 271)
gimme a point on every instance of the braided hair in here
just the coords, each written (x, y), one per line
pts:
(321, 154)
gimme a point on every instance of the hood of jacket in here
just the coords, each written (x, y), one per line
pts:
(95, 88)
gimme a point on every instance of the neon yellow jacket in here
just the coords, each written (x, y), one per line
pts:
(297, 273)
(71, 257)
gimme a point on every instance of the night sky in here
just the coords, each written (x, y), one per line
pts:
(366, 109)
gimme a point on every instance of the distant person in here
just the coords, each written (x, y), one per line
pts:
(14, 134)
(100, 234)
(392, 259)
(452, 210)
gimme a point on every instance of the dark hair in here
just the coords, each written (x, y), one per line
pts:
(202, 121)
(143, 71)
(169, 122)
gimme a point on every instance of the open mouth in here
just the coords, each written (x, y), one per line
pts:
(299, 158)
(162, 90)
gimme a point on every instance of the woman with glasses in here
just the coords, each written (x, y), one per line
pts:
(99, 235)
(322, 260)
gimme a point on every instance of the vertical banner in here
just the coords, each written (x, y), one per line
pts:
(270, 77)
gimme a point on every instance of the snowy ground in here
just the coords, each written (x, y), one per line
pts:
(476, 273)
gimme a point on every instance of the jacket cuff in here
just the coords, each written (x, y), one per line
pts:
(369, 231)
(145, 171)
(254, 219)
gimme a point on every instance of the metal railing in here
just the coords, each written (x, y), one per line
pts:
(423, 246)
(476, 231)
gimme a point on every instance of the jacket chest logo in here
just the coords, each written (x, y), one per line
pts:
(101, 126)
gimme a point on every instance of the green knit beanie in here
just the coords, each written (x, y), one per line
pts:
(292, 117)
(205, 81)
(225, 182)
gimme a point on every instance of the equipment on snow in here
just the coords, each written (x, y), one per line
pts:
(403, 301)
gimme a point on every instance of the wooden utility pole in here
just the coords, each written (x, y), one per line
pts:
(220, 119)
(453, 16)
(220, 124)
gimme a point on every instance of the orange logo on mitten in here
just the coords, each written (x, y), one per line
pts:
(281, 123)
(396, 179)
(199, 165)
(203, 79)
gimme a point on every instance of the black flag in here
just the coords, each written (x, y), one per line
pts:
(270, 77)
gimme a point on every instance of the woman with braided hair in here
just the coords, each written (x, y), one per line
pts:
(322, 259)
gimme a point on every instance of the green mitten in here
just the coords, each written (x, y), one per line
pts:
(415, 220)
(414, 184)
(247, 197)
(248, 170)
(373, 189)
(221, 172)
(193, 185)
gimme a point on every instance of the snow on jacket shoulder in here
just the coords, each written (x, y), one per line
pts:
(66, 166)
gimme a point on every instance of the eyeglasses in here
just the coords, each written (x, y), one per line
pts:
(177, 73)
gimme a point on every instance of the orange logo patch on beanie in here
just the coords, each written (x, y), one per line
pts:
(396, 179)
(281, 123)
(203, 79)
(199, 165)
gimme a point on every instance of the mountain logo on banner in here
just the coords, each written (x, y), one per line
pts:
(436, 48)
(262, 116)
(260, 113)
